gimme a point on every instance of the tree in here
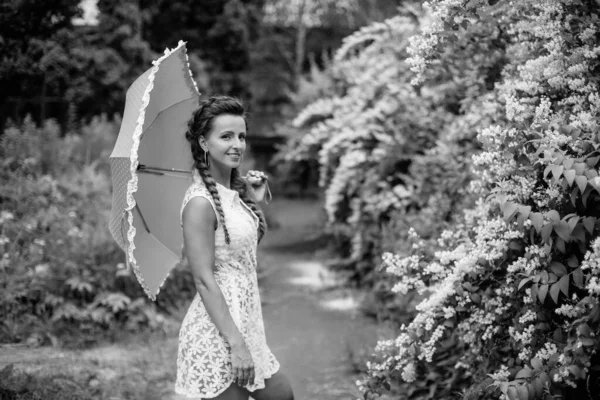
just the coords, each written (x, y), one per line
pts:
(219, 32)
(303, 15)
(28, 76)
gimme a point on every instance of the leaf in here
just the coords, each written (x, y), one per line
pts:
(554, 292)
(585, 196)
(579, 168)
(553, 215)
(572, 224)
(563, 230)
(536, 219)
(592, 161)
(557, 170)
(542, 292)
(509, 209)
(566, 129)
(558, 268)
(573, 196)
(546, 231)
(568, 163)
(560, 245)
(536, 363)
(525, 211)
(573, 262)
(515, 245)
(570, 176)
(588, 223)
(524, 282)
(563, 284)
(577, 371)
(579, 234)
(578, 277)
(558, 336)
(524, 373)
(591, 174)
(581, 182)
(584, 330)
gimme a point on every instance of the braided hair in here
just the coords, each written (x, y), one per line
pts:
(201, 124)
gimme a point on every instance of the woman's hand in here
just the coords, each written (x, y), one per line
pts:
(242, 364)
(257, 184)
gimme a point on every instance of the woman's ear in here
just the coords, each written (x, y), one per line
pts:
(202, 142)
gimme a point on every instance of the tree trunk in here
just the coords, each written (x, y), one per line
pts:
(300, 43)
(43, 101)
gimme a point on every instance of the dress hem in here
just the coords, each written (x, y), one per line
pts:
(183, 392)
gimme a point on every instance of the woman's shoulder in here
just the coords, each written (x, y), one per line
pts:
(196, 190)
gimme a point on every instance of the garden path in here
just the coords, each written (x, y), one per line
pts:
(313, 327)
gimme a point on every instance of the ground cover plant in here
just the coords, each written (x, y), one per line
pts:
(476, 123)
(62, 277)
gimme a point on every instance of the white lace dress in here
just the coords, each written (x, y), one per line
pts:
(204, 359)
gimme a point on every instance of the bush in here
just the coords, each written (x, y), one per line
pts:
(62, 275)
(510, 286)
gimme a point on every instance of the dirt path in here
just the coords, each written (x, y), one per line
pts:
(312, 325)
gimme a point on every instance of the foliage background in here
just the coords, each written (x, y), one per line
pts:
(457, 147)
(456, 142)
(62, 278)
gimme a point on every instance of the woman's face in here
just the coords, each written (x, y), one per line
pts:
(226, 142)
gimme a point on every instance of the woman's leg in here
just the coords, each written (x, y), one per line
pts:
(233, 392)
(277, 387)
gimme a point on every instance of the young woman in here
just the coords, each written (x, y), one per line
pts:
(222, 352)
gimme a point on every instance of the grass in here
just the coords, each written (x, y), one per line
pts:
(139, 368)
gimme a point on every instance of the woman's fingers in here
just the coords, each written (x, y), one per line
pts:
(237, 372)
(252, 376)
(244, 376)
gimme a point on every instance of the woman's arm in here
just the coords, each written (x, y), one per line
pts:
(199, 239)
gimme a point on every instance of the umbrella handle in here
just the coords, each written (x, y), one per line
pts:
(125, 240)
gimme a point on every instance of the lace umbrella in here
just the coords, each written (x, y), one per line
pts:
(150, 166)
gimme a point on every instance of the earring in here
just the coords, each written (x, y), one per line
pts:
(206, 159)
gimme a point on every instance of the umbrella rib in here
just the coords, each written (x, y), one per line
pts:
(160, 112)
(160, 171)
(142, 217)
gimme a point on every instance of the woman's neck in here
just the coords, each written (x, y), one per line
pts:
(221, 176)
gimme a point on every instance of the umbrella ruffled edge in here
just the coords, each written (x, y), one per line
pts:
(132, 185)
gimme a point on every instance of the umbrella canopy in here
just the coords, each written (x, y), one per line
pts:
(150, 165)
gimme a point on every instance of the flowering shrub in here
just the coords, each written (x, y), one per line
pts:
(503, 257)
(390, 153)
(513, 287)
(62, 278)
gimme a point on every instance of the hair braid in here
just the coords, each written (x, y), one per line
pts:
(239, 184)
(210, 184)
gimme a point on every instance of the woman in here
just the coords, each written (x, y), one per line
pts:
(223, 353)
